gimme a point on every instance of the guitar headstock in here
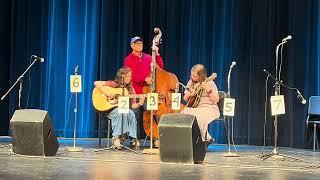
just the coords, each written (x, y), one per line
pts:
(213, 76)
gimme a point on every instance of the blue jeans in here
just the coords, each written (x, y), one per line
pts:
(123, 123)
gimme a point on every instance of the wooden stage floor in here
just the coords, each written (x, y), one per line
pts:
(126, 165)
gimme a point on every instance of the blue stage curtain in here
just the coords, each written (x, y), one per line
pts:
(66, 34)
(73, 39)
(95, 35)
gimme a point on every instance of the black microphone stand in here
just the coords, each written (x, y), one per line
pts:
(20, 81)
(275, 152)
(74, 148)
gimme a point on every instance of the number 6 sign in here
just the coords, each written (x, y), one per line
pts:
(75, 83)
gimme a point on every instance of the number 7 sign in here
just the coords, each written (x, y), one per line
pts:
(277, 105)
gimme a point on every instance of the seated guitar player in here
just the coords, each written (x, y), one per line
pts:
(123, 125)
(206, 109)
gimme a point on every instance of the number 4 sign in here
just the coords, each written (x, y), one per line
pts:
(176, 99)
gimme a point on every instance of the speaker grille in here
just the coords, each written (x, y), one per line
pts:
(180, 139)
(33, 133)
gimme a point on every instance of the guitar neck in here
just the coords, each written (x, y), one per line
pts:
(210, 78)
(137, 95)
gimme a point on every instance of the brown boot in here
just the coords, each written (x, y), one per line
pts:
(156, 143)
(135, 143)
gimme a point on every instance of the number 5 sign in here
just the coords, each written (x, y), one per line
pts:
(228, 106)
(75, 83)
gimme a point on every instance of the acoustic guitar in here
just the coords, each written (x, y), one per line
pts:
(193, 101)
(103, 103)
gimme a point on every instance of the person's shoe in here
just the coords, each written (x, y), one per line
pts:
(135, 143)
(209, 141)
(156, 143)
(123, 137)
(116, 141)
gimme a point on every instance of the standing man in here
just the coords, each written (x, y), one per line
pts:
(140, 65)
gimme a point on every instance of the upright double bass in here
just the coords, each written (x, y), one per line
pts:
(164, 83)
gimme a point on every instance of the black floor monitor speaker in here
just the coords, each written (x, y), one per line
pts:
(32, 133)
(180, 139)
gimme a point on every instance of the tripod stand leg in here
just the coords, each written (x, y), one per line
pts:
(266, 156)
(107, 148)
(116, 148)
(289, 157)
(275, 154)
(229, 153)
(129, 149)
(278, 156)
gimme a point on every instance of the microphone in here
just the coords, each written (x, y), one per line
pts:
(122, 79)
(264, 70)
(287, 38)
(76, 69)
(303, 101)
(37, 58)
(228, 78)
(232, 64)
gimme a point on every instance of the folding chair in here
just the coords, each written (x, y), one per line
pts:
(106, 118)
(314, 113)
